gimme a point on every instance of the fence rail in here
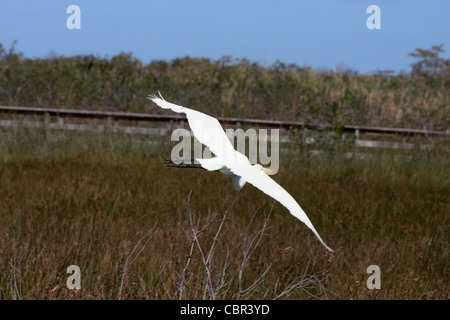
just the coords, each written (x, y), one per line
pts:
(112, 116)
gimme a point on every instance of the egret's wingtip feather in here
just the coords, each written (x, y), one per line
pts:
(324, 244)
(161, 102)
(152, 97)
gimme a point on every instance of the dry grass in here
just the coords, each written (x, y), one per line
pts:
(139, 230)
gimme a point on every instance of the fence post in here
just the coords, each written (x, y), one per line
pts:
(109, 123)
(47, 118)
(60, 122)
(355, 146)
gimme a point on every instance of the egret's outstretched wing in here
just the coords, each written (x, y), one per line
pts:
(205, 128)
(267, 185)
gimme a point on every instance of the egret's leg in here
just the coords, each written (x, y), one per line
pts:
(178, 161)
(170, 163)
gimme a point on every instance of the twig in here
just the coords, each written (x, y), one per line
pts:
(248, 251)
(127, 263)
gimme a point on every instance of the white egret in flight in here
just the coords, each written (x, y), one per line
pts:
(233, 163)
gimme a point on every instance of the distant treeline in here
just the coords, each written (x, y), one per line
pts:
(235, 88)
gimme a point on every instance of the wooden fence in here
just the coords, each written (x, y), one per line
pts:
(57, 118)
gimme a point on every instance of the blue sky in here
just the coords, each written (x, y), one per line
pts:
(321, 33)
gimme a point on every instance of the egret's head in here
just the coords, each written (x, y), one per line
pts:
(265, 170)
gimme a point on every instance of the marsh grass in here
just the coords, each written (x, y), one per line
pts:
(139, 230)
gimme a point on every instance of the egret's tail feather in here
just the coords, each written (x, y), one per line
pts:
(238, 182)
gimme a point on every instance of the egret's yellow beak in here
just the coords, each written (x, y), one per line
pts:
(268, 171)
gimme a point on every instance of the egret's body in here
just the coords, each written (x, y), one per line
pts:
(233, 163)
